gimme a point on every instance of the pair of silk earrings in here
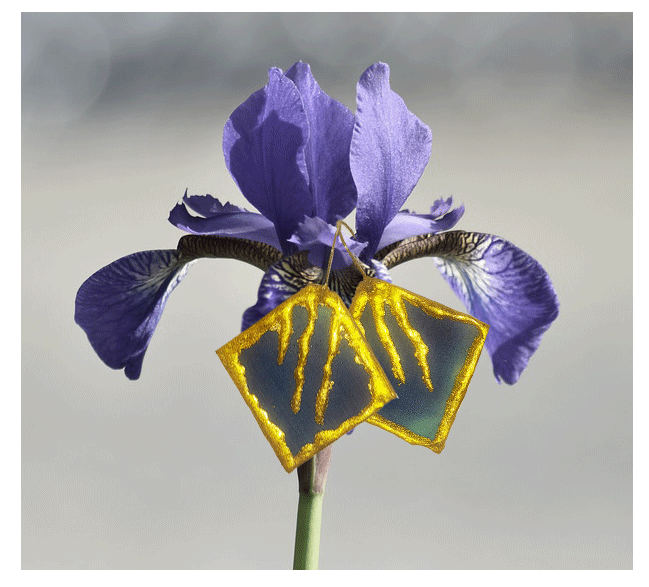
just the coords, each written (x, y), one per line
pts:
(311, 370)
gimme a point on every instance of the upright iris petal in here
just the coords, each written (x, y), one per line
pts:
(317, 236)
(327, 150)
(323, 162)
(120, 305)
(389, 151)
(263, 144)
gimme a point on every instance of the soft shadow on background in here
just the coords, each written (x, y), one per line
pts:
(532, 131)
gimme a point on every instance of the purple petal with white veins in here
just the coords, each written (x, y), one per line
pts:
(327, 150)
(263, 144)
(317, 236)
(389, 151)
(120, 305)
(222, 220)
(506, 288)
(406, 224)
(273, 290)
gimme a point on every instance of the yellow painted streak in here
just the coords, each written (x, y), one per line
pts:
(377, 303)
(400, 313)
(358, 305)
(380, 388)
(462, 380)
(322, 398)
(284, 329)
(311, 304)
(378, 384)
(359, 302)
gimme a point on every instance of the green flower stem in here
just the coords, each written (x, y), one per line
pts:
(307, 534)
(312, 477)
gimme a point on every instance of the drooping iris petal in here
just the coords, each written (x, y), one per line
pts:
(278, 284)
(389, 151)
(327, 150)
(503, 286)
(219, 219)
(263, 144)
(120, 305)
(406, 224)
(316, 236)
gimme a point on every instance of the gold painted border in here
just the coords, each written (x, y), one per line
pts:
(435, 310)
(381, 390)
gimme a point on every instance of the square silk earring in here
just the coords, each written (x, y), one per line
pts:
(307, 374)
(428, 352)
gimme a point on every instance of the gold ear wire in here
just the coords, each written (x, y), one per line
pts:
(354, 258)
(331, 255)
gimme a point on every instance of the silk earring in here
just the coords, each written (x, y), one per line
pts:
(307, 373)
(428, 352)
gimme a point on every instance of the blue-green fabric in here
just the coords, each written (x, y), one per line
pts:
(274, 384)
(418, 409)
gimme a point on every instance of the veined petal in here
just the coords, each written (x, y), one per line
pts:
(389, 151)
(120, 305)
(406, 224)
(506, 288)
(278, 284)
(327, 150)
(263, 144)
(317, 236)
(222, 220)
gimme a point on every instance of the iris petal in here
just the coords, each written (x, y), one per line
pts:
(277, 285)
(316, 236)
(222, 220)
(120, 305)
(207, 206)
(263, 143)
(389, 151)
(503, 286)
(327, 150)
(406, 224)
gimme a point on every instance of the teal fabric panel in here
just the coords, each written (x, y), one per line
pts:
(418, 409)
(274, 384)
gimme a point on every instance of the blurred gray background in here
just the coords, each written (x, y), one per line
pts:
(532, 123)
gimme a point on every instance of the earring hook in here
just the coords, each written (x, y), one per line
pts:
(338, 234)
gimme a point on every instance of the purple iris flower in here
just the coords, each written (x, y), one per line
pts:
(305, 161)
